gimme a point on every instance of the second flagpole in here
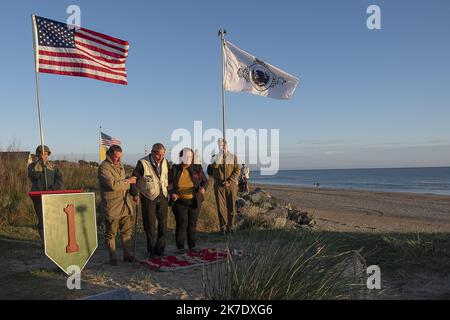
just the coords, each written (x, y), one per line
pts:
(222, 33)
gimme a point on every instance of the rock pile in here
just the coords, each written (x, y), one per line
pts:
(260, 209)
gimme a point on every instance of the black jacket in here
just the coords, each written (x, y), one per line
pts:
(198, 178)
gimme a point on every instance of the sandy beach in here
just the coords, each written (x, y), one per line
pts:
(368, 211)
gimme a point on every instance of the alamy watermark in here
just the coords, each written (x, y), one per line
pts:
(374, 20)
(74, 19)
(257, 147)
(74, 279)
(374, 277)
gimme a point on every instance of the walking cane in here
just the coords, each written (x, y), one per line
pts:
(135, 232)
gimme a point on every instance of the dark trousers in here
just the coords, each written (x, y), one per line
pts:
(186, 216)
(152, 211)
(37, 203)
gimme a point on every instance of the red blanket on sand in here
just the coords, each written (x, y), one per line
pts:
(187, 260)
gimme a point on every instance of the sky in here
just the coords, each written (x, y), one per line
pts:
(366, 98)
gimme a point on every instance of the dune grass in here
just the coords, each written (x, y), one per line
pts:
(286, 265)
(16, 208)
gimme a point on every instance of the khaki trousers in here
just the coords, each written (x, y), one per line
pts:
(226, 205)
(113, 227)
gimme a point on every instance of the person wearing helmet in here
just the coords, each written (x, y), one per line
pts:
(36, 173)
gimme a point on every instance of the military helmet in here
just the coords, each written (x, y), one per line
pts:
(39, 149)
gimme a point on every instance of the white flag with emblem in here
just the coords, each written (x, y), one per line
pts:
(245, 73)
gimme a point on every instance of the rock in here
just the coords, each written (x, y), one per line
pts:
(260, 209)
(240, 203)
(261, 199)
(278, 213)
(257, 197)
(299, 217)
(267, 205)
(279, 223)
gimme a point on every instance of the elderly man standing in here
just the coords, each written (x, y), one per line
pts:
(225, 171)
(152, 185)
(117, 205)
(44, 176)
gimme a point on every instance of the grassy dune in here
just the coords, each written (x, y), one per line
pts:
(281, 264)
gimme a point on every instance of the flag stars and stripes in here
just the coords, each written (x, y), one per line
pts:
(56, 35)
(86, 53)
(65, 50)
(108, 141)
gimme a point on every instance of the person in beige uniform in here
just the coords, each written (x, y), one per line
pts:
(225, 185)
(116, 203)
(152, 186)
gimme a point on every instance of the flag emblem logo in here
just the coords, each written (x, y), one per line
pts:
(260, 76)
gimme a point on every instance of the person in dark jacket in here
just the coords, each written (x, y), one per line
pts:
(44, 176)
(42, 167)
(188, 184)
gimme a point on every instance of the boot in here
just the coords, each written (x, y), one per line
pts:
(111, 245)
(127, 255)
(113, 258)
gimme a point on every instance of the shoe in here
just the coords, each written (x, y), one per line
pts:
(195, 249)
(181, 251)
(113, 258)
(113, 262)
(130, 259)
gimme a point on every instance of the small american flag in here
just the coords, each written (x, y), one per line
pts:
(68, 50)
(108, 141)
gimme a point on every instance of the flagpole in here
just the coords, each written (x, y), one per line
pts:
(36, 69)
(222, 33)
(100, 144)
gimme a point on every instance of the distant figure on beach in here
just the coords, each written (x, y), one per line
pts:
(188, 184)
(316, 185)
(116, 203)
(243, 178)
(225, 185)
(37, 172)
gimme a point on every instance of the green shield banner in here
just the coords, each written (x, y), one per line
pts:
(70, 228)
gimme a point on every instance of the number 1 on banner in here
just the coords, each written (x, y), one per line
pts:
(72, 246)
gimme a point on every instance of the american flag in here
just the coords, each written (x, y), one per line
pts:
(67, 50)
(108, 141)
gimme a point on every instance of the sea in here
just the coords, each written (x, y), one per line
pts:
(434, 180)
